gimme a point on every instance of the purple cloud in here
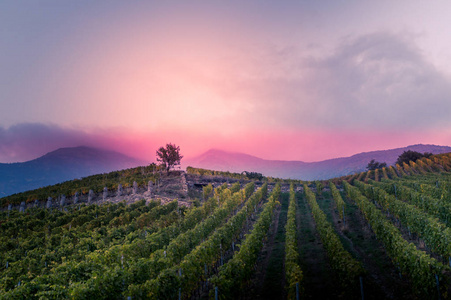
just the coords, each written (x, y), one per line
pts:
(27, 141)
(379, 81)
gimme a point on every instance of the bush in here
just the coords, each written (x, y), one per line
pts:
(410, 155)
(373, 165)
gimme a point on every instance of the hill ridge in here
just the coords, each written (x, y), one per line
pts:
(335, 167)
(61, 165)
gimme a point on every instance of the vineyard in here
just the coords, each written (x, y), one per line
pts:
(381, 234)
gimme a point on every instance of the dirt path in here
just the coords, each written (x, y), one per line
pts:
(274, 280)
(319, 279)
(382, 280)
(268, 282)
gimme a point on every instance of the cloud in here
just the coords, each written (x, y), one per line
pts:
(377, 85)
(375, 81)
(27, 141)
(381, 81)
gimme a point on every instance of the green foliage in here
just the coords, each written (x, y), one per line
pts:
(253, 175)
(293, 272)
(433, 232)
(244, 175)
(420, 267)
(207, 191)
(192, 267)
(169, 156)
(392, 172)
(374, 165)
(420, 195)
(152, 251)
(45, 250)
(235, 187)
(410, 155)
(233, 275)
(348, 269)
(249, 189)
(142, 175)
(319, 187)
(338, 199)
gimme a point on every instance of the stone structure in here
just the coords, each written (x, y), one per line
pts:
(90, 196)
(22, 207)
(135, 188)
(149, 186)
(63, 200)
(76, 198)
(49, 202)
(105, 193)
(119, 190)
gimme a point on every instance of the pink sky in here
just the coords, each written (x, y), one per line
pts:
(28, 141)
(291, 81)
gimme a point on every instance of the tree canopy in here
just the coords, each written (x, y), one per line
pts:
(373, 165)
(253, 175)
(410, 155)
(169, 156)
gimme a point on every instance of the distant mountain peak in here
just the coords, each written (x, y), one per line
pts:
(79, 150)
(216, 159)
(61, 165)
(215, 151)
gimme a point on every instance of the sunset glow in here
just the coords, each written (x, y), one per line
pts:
(293, 81)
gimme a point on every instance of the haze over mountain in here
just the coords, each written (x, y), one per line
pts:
(304, 80)
(61, 165)
(238, 162)
(71, 163)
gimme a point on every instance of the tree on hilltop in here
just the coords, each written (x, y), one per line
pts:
(410, 155)
(253, 175)
(373, 165)
(169, 156)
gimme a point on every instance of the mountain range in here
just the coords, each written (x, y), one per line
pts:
(238, 162)
(61, 165)
(71, 163)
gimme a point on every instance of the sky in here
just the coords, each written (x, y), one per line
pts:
(289, 80)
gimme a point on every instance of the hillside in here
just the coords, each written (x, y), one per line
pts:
(70, 163)
(61, 165)
(129, 185)
(376, 235)
(238, 162)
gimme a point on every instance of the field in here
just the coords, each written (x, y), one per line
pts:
(382, 234)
